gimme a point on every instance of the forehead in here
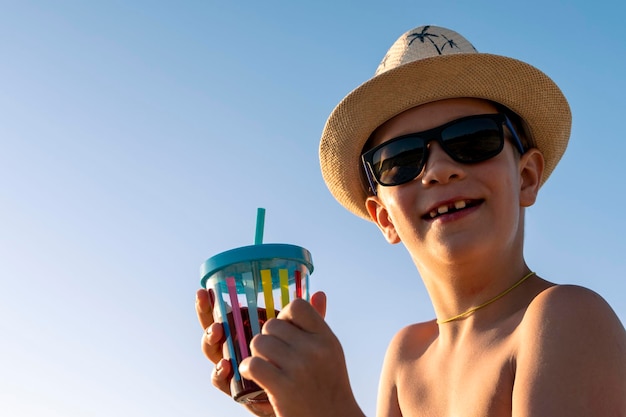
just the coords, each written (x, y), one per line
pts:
(428, 116)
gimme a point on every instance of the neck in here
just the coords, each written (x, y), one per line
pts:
(492, 300)
(458, 289)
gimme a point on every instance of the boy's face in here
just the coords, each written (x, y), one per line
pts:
(455, 211)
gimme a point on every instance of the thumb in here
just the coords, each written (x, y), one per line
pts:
(318, 301)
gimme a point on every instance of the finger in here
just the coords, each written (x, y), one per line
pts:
(281, 329)
(212, 341)
(220, 378)
(290, 348)
(264, 373)
(276, 342)
(204, 308)
(318, 301)
(304, 315)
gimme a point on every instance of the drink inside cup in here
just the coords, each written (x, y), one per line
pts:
(248, 286)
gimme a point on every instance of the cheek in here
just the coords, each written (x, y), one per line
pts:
(401, 205)
(399, 200)
(505, 180)
(503, 170)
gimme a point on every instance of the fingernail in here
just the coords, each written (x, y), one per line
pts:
(243, 367)
(211, 298)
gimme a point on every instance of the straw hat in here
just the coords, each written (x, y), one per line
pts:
(427, 64)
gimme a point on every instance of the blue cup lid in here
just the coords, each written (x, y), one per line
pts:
(255, 253)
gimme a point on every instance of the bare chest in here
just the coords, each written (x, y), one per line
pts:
(449, 384)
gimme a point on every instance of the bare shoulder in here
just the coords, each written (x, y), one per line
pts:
(567, 317)
(565, 306)
(412, 340)
(571, 358)
(404, 349)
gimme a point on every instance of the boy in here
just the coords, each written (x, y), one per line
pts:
(443, 149)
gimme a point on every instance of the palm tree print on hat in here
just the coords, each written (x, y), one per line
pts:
(449, 42)
(423, 35)
(440, 41)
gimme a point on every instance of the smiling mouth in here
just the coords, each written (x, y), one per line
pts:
(451, 208)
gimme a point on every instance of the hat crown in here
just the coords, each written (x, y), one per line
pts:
(424, 42)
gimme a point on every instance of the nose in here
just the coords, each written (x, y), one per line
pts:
(440, 168)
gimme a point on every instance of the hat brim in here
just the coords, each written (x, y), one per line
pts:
(517, 85)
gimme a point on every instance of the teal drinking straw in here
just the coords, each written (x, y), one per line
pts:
(248, 282)
(260, 224)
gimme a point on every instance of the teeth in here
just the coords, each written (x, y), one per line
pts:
(458, 205)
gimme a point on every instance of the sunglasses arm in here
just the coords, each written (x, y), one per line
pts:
(370, 177)
(516, 139)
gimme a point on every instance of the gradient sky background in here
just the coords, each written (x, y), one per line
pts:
(138, 139)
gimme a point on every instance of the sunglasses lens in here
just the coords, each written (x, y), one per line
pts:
(468, 140)
(473, 140)
(398, 162)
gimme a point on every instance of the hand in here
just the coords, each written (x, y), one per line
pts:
(300, 363)
(212, 347)
(213, 340)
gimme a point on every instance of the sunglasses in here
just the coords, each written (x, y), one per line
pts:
(467, 140)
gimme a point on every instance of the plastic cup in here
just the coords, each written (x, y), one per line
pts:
(248, 286)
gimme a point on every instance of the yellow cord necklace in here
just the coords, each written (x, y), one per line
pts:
(497, 297)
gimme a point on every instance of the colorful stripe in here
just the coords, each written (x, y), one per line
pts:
(227, 335)
(283, 276)
(241, 334)
(253, 312)
(298, 284)
(266, 279)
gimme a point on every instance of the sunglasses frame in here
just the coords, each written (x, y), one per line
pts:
(435, 135)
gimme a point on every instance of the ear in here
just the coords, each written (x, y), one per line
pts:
(379, 215)
(531, 172)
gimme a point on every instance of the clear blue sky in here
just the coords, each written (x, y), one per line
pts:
(137, 139)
